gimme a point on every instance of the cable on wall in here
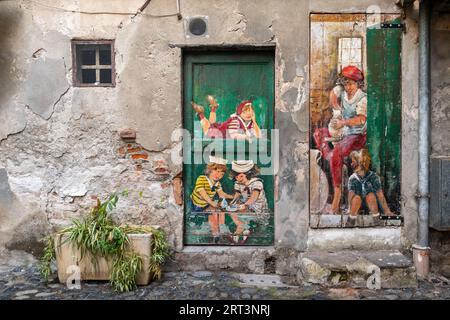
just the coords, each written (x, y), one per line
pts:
(139, 11)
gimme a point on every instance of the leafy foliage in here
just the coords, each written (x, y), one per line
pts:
(48, 256)
(124, 271)
(160, 251)
(97, 233)
(101, 237)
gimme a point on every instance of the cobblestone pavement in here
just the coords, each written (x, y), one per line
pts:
(20, 283)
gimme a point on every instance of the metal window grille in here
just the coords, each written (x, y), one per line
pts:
(93, 63)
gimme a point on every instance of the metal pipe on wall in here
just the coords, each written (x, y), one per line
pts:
(421, 249)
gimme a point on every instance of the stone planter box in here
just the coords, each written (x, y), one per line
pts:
(68, 255)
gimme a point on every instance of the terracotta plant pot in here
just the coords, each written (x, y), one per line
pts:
(67, 255)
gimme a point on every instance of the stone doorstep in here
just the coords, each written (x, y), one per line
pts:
(355, 267)
(319, 221)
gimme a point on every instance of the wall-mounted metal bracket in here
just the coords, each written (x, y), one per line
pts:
(393, 26)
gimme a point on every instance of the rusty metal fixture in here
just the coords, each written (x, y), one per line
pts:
(421, 258)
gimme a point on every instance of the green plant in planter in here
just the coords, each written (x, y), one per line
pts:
(124, 271)
(48, 256)
(101, 237)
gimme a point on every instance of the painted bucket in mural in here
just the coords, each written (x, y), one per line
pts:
(228, 173)
(355, 120)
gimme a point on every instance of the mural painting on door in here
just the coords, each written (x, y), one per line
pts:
(228, 111)
(355, 120)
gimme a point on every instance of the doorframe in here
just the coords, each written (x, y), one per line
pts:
(205, 48)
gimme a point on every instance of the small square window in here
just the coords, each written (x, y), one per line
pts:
(93, 63)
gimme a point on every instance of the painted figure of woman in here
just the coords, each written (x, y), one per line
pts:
(347, 97)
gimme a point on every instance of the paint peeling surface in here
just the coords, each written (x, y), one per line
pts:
(227, 172)
(355, 112)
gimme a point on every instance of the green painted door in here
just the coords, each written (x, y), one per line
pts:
(230, 77)
(384, 108)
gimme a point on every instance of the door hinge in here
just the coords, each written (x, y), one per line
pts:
(393, 26)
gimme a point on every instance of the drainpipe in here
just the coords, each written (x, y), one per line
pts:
(421, 250)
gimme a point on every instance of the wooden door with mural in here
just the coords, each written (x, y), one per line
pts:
(355, 120)
(228, 103)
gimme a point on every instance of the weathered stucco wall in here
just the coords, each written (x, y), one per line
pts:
(440, 84)
(440, 123)
(60, 148)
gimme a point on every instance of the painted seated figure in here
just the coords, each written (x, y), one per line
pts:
(364, 185)
(349, 103)
(249, 188)
(249, 196)
(241, 125)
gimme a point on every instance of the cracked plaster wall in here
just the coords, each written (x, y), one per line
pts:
(59, 143)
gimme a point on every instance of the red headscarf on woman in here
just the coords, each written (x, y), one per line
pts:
(353, 73)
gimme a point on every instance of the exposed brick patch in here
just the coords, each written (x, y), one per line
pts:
(128, 134)
(161, 171)
(177, 185)
(143, 156)
(134, 150)
(165, 185)
(160, 167)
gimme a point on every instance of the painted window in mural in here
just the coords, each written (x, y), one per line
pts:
(350, 53)
(355, 121)
(228, 113)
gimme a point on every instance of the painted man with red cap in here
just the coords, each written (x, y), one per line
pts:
(348, 97)
(241, 125)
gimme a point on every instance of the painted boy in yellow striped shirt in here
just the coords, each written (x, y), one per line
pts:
(207, 186)
(205, 189)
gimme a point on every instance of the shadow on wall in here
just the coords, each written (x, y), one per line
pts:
(21, 228)
(10, 20)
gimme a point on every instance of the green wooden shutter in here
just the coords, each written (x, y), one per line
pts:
(384, 108)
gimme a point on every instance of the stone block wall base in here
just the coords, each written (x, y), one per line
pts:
(372, 269)
(382, 268)
(257, 260)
